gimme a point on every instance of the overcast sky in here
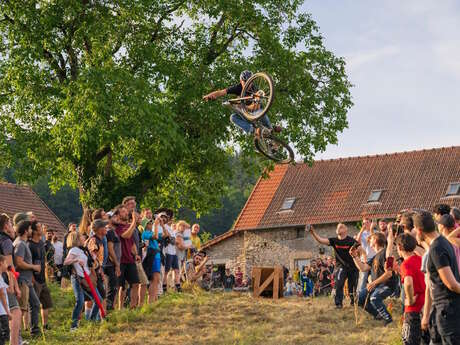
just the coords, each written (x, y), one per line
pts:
(403, 58)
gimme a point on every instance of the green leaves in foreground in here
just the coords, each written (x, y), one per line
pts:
(106, 96)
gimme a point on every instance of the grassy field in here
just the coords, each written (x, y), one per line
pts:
(198, 317)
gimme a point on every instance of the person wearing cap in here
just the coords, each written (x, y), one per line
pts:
(95, 245)
(236, 118)
(152, 260)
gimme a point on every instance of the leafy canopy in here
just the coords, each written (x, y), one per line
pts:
(106, 95)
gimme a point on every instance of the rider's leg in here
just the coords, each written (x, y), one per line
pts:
(241, 122)
(266, 122)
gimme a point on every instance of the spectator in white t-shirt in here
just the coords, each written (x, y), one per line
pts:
(171, 259)
(79, 261)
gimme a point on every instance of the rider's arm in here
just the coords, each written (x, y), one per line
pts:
(215, 94)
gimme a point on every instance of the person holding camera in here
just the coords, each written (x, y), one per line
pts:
(345, 267)
(383, 278)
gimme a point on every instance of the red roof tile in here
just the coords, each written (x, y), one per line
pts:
(260, 199)
(18, 198)
(337, 190)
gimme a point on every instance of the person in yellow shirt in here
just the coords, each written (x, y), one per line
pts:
(196, 241)
(296, 275)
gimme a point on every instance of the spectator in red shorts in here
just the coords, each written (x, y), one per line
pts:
(413, 281)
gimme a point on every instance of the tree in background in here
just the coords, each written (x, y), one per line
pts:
(105, 95)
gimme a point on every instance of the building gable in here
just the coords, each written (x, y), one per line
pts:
(20, 198)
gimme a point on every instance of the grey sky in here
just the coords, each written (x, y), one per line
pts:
(403, 57)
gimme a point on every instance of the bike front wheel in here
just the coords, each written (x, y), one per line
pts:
(259, 92)
(274, 149)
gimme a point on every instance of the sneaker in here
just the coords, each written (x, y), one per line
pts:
(387, 322)
(73, 328)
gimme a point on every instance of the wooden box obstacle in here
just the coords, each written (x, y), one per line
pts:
(268, 281)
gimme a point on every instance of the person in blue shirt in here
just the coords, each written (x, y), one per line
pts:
(307, 284)
(152, 261)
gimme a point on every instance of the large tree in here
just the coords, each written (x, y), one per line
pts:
(106, 95)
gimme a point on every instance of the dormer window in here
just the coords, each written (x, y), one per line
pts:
(288, 203)
(453, 189)
(375, 195)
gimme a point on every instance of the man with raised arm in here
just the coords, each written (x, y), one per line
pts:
(345, 267)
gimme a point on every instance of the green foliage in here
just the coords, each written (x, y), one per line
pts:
(220, 219)
(205, 237)
(106, 96)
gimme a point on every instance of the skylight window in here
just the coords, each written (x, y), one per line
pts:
(375, 196)
(287, 204)
(453, 189)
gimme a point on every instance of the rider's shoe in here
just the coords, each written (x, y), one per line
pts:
(277, 129)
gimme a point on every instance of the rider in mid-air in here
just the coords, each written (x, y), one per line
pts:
(237, 118)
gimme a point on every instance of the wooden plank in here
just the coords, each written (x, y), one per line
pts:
(266, 283)
(256, 274)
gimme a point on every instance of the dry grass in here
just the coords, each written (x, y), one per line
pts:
(217, 318)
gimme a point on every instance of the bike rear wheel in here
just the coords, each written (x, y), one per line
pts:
(274, 149)
(260, 88)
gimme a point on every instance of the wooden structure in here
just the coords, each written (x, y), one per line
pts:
(268, 279)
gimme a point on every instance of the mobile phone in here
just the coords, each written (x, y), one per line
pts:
(389, 263)
(355, 245)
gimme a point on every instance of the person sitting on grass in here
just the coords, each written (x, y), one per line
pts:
(196, 268)
(229, 280)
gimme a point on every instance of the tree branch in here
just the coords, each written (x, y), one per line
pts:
(103, 152)
(165, 15)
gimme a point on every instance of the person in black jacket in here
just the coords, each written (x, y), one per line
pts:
(345, 267)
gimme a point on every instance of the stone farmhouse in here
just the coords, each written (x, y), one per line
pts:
(20, 198)
(270, 228)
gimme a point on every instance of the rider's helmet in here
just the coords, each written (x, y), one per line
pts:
(245, 75)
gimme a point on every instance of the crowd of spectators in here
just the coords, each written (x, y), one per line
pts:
(416, 257)
(113, 259)
(122, 259)
(314, 279)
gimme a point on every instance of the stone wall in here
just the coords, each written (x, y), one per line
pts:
(228, 252)
(269, 247)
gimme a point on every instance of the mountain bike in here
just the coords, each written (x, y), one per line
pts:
(254, 102)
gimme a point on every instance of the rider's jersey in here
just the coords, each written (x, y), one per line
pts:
(235, 89)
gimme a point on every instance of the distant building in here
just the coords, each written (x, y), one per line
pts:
(20, 198)
(270, 228)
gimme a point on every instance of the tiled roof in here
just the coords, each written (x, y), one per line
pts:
(19, 198)
(260, 199)
(337, 190)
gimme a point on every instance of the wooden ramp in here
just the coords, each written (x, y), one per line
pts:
(268, 279)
